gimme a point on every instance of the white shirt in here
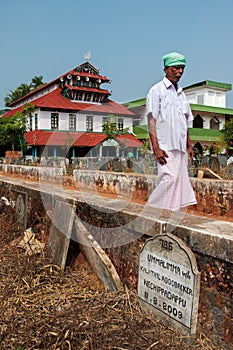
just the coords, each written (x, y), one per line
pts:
(172, 112)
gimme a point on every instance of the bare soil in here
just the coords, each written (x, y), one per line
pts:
(43, 308)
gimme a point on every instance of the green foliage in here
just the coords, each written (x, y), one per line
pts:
(28, 109)
(36, 82)
(145, 148)
(228, 133)
(13, 128)
(23, 90)
(111, 127)
(223, 208)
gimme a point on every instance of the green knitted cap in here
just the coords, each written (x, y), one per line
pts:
(174, 59)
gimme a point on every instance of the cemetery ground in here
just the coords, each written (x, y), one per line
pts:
(44, 308)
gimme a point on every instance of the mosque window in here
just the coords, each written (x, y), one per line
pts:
(89, 123)
(54, 120)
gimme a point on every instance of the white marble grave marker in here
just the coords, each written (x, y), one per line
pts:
(169, 281)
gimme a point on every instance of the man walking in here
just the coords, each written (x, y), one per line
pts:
(169, 115)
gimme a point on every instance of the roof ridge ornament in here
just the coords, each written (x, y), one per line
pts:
(87, 55)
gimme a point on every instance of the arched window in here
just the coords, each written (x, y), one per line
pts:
(198, 122)
(214, 123)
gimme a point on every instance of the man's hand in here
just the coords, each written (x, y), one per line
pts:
(189, 147)
(190, 152)
(160, 156)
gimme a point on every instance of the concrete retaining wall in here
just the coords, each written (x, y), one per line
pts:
(32, 172)
(213, 196)
(121, 228)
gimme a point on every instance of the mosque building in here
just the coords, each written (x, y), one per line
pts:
(69, 115)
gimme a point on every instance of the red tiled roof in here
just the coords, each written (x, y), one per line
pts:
(13, 111)
(89, 139)
(55, 100)
(61, 138)
(69, 138)
(52, 100)
(85, 74)
(110, 107)
(129, 140)
(33, 92)
(83, 88)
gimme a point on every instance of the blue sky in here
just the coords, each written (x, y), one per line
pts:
(126, 38)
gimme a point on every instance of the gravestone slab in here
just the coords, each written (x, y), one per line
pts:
(21, 209)
(229, 171)
(169, 282)
(96, 257)
(60, 233)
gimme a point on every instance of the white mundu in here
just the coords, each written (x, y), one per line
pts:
(171, 110)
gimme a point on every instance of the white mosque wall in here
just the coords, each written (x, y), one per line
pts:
(207, 96)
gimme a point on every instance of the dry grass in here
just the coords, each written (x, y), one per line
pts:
(45, 309)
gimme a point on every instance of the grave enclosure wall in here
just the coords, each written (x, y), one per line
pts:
(214, 197)
(213, 253)
(214, 262)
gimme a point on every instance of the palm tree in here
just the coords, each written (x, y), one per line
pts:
(36, 82)
(23, 90)
(20, 91)
(12, 96)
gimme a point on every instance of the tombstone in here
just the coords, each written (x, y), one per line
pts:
(169, 282)
(214, 164)
(21, 209)
(117, 166)
(138, 167)
(67, 226)
(60, 233)
(229, 171)
(223, 159)
(96, 257)
(205, 161)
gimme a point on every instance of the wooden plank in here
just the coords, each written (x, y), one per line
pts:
(60, 233)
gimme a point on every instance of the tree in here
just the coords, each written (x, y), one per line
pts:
(23, 90)
(227, 132)
(144, 149)
(110, 128)
(28, 109)
(13, 128)
(36, 82)
(12, 96)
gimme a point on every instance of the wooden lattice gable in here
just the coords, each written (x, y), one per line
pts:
(83, 83)
(86, 67)
(87, 70)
